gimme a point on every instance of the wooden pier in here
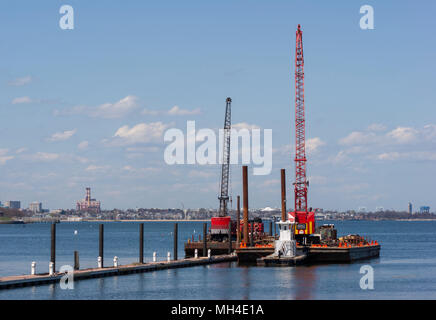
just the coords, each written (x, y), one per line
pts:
(39, 279)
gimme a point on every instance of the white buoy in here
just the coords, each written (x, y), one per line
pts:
(99, 262)
(169, 256)
(208, 253)
(154, 257)
(115, 261)
(33, 268)
(75, 232)
(196, 253)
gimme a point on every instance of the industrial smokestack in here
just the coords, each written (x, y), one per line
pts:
(283, 175)
(88, 195)
(245, 200)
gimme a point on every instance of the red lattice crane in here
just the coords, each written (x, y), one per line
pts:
(302, 215)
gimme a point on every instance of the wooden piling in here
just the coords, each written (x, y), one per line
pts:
(204, 239)
(245, 200)
(175, 240)
(270, 228)
(101, 243)
(76, 260)
(141, 243)
(283, 178)
(238, 222)
(53, 246)
(230, 237)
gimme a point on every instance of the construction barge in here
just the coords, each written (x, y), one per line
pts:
(300, 240)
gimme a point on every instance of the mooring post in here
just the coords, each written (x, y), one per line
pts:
(230, 237)
(175, 240)
(270, 228)
(204, 239)
(141, 243)
(76, 260)
(101, 244)
(53, 246)
(33, 268)
(238, 222)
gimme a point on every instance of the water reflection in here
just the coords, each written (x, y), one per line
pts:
(305, 278)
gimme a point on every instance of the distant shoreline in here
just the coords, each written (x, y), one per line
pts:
(140, 220)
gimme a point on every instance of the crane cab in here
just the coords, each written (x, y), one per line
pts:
(304, 224)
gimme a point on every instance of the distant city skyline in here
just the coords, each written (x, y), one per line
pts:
(88, 107)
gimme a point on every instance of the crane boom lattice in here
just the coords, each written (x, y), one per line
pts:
(225, 169)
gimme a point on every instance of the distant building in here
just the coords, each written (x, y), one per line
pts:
(410, 208)
(13, 204)
(35, 207)
(88, 204)
(424, 209)
(379, 209)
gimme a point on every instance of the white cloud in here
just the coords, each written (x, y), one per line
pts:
(4, 157)
(117, 109)
(313, 144)
(44, 157)
(177, 111)
(95, 168)
(429, 132)
(389, 156)
(83, 145)
(141, 133)
(107, 110)
(20, 81)
(412, 155)
(141, 171)
(174, 111)
(244, 125)
(62, 136)
(358, 137)
(403, 134)
(21, 100)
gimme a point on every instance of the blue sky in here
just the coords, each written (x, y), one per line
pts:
(65, 94)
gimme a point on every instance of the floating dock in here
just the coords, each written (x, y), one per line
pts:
(40, 279)
(216, 248)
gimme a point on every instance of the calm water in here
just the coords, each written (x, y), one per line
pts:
(406, 268)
